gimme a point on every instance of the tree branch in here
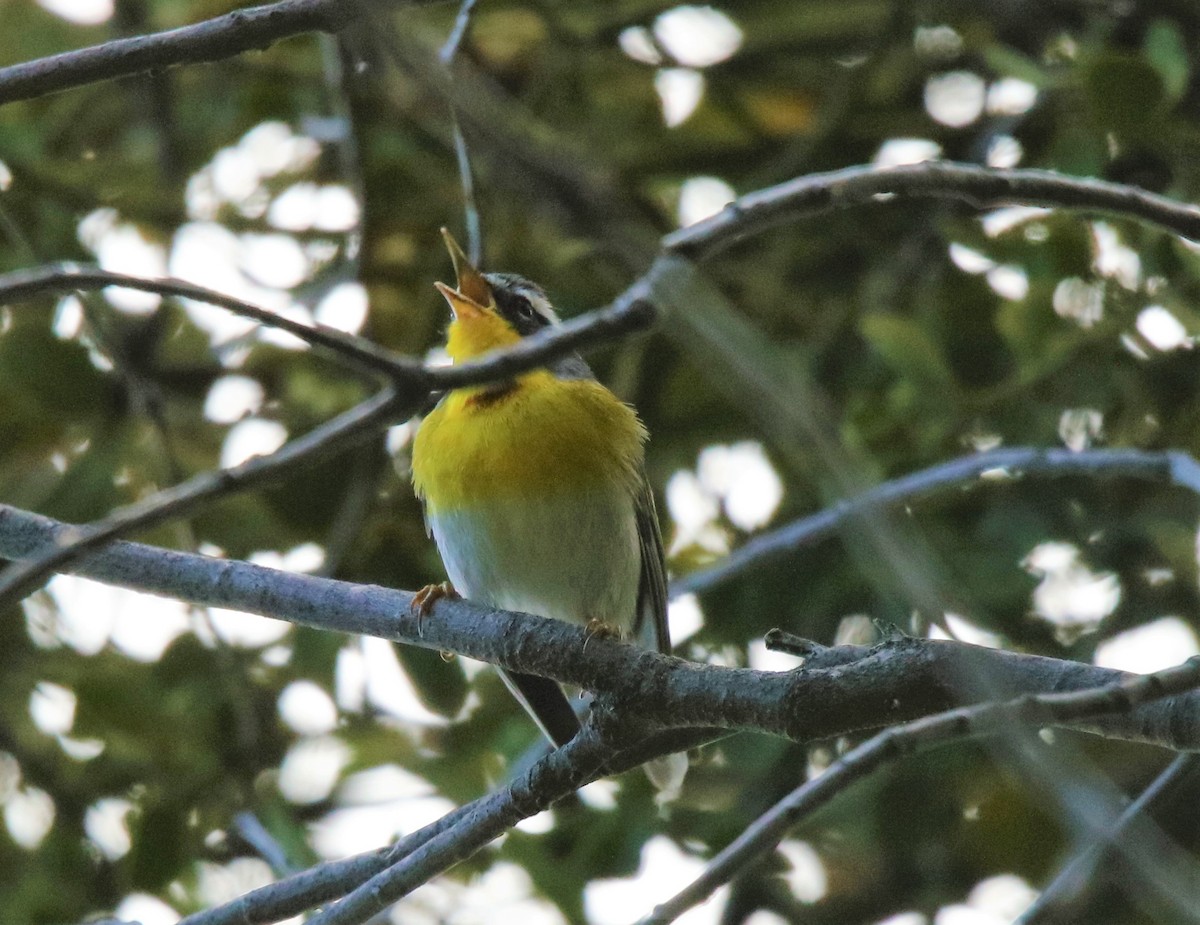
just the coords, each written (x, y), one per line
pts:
(324, 883)
(73, 543)
(67, 277)
(252, 29)
(979, 187)
(1002, 465)
(560, 772)
(1067, 895)
(909, 677)
(986, 719)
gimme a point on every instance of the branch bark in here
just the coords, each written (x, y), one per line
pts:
(978, 187)
(986, 719)
(1001, 466)
(251, 29)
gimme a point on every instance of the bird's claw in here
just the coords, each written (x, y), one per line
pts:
(423, 601)
(599, 629)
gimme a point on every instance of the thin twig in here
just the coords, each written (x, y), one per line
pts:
(64, 277)
(979, 187)
(250, 29)
(470, 207)
(899, 741)
(251, 830)
(1064, 891)
(461, 155)
(461, 23)
(1173, 466)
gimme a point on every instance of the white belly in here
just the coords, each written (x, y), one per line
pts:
(575, 559)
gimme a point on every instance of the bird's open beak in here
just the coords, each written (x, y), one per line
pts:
(472, 295)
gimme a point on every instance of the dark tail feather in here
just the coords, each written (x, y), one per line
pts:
(545, 701)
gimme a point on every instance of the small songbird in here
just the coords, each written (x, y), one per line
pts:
(535, 492)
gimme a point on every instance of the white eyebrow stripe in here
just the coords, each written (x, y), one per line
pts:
(540, 303)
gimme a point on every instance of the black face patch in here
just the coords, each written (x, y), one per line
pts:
(515, 297)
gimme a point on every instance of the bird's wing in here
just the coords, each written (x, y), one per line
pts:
(650, 622)
(650, 627)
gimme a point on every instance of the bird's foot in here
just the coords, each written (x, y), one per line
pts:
(429, 595)
(600, 629)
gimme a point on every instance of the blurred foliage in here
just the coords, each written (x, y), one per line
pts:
(907, 333)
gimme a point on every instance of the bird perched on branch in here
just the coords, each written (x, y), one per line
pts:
(535, 492)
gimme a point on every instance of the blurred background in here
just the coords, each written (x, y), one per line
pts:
(143, 743)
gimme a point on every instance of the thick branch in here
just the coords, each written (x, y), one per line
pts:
(251, 29)
(895, 682)
(987, 719)
(979, 187)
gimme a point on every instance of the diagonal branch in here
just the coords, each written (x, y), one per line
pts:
(1072, 888)
(999, 466)
(75, 543)
(324, 883)
(987, 719)
(66, 277)
(553, 777)
(411, 384)
(250, 29)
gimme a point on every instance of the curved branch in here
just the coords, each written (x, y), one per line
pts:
(251, 29)
(411, 384)
(66, 277)
(979, 187)
(1005, 464)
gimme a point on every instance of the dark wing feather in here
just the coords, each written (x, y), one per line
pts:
(650, 622)
(545, 701)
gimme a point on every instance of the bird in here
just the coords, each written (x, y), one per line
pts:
(535, 492)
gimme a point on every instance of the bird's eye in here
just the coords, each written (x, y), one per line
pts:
(525, 310)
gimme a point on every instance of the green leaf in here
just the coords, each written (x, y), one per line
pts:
(42, 376)
(1124, 92)
(907, 348)
(1167, 53)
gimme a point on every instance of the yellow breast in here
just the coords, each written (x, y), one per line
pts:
(545, 436)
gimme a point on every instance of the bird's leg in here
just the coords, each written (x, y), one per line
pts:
(601, 629)
(429, 595)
